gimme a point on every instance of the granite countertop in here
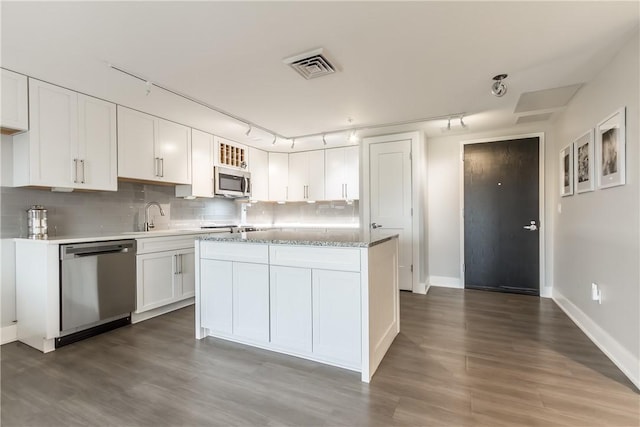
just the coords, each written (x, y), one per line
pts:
(342, 238)
(56, 240)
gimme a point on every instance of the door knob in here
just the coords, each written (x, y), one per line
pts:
(532, 227)
(374, 225)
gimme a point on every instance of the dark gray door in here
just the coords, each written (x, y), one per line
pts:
(501, 209)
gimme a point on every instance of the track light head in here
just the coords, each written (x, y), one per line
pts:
(249, 130)
(324, 141)
(462, 123)
(274, 140)
(293, 143)
(449, 124)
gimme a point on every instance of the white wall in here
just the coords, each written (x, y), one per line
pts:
(597, 234)
(443, 231)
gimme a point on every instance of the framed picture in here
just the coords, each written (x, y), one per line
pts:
(566, 171)
(611, 150)
(584, 163)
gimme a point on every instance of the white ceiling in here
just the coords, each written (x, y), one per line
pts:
(398, 61)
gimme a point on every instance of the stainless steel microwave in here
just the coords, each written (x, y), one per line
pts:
(229, 182)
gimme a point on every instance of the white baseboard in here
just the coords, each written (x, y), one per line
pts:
(446, 282)
(8, 334)
(420, 288)
(620, 356)
(139, 317)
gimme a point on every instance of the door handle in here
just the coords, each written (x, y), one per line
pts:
(532, 227)
(75, 171)
(82, 164)
(374, 225)
(157, 166)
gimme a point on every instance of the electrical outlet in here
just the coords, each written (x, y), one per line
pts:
(596, 293)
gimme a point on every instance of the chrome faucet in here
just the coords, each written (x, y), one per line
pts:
(147, 225)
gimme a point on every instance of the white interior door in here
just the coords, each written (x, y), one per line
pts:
(390, 199)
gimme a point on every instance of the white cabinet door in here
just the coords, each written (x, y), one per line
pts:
(216, 287)
(306, 176)
(136, 136)
(334, 174)
(336, 316)
(202, 157)
(15, 115)
(259, 168)
(96, 163)
(173, 149)
(278, 176)
(298, 177)
(342, 173)
(315, 177)
(251, 301)
(291, 308)
(44, 155)
(155, 280)
(352, 173)
(186, 288)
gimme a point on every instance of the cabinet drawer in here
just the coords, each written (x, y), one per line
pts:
(229, 251)
(169, 243)
(329, 258)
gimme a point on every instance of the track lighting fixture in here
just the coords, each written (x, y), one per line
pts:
(498, 88)
(462, 122)
(249, 130)
(274, 140)
(149, 87)
(324, 141)
(449, 124)
(293, 143)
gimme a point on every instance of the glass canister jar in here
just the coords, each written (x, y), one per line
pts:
(37, 222)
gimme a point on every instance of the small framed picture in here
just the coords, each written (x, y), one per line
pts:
(566, 171)
(611, 150)
(584, 163)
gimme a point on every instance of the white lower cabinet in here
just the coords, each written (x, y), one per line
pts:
(282, 300)
(336, 316)
(216, 295)
(165, 271)
(290, 290)
(251, 301)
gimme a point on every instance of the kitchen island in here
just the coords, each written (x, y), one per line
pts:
(329, 297)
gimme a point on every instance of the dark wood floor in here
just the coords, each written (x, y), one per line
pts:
(462, 358)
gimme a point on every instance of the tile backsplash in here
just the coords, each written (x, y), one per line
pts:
(322, 214)
(110, 212)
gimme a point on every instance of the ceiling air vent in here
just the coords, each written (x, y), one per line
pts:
(311, 64)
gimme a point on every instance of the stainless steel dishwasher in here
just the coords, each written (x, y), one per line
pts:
(97, 288)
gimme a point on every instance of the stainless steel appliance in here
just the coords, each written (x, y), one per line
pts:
(37, 222)
(231, 182)
(97, 288)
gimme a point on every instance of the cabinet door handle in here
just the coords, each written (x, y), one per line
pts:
(175, 265)
(161, 167)
(75, 171)
(180, 264)
(346, 191)
(156, 166)
(82, 164)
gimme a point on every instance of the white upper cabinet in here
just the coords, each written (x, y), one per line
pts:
(153, 149)
(342, 173)
(278, 176)
(15, 115)
(259, 168)
(202, 158)
(97, 157)
(306, 176)
(71, 144)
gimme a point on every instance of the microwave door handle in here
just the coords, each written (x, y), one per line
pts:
(245, 185)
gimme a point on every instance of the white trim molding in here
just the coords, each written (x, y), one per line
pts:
(8, 334)
(620, 356)
(445, 282)
(417, 145)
